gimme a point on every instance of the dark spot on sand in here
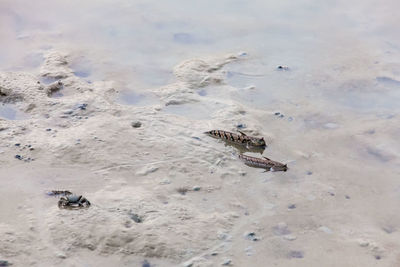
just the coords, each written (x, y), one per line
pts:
(296, 254)
(292, 206)
(18, 157)
(146, 264)
(182, 190)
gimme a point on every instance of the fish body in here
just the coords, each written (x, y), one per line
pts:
(264, 163)
(241, 138)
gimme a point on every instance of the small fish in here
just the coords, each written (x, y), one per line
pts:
(264, 163)
(241, 138)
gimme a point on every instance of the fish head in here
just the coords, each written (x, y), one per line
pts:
(257, 142)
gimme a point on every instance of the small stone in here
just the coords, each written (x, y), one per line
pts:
(363, 243)
(277, 113)
(196, 188)
(292, 206)
(18, 144)
(214, 253)
(347, 196)
(61, 255)
(82, 106)
(226, 262)
(281, 116)
(48, 129)
(241, 126)
(309, 172)
(251, 236)
(135, 217)
(136, 124)
(18, 157)
(282, 67)
(378, 257)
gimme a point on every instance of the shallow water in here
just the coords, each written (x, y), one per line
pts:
(11, 112)
(333, 111)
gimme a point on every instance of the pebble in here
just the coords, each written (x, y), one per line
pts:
(136, 218)
(251, 236)
(82, 106)
(282, 67)
(241, 126)
(48, 129)
(363, 243)
(292, 206)
(309, 172)
(61, 255)
(18, 144)
(226, 262)
(196, 188)
(136, 124)
(347, 196)
(18, 157)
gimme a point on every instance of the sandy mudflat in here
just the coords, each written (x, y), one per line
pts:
(337, 205)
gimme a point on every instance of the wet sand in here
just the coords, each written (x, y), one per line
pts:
(117, 113)
(336, 205)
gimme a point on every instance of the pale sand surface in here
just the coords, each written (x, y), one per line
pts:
(345, 212)
(176, 68)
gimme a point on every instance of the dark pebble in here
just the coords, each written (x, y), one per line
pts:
(281, 116)
(48, 129)
(136, 218)
(376, 257)
(347, 197)
(241, 126)
(136, 124)
(280, 67)
(82, 106)
(196, 138)
(296, 254)
(309, 173)
(18, 144)
(18, 157)
(251, 236)
(292, 206)
(146, 264)
(277, 113)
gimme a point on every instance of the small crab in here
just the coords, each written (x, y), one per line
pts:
(73, 202)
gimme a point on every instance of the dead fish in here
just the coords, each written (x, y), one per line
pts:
(241, 138)
(264, 163)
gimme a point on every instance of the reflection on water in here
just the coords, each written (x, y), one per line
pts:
(132, 98)
(10, 112)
